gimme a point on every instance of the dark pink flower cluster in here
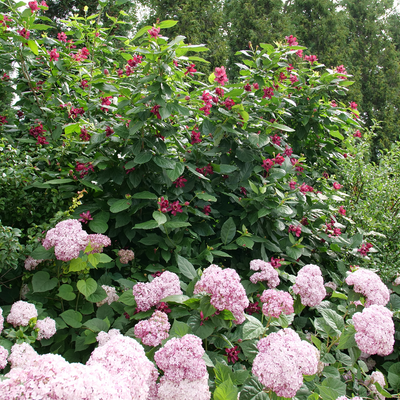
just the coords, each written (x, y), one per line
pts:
(253, 308)
(295, 229)
(190, 69)
(109, 131)
(207, 103)
(342, 210)
(195, 136)
(293, 78)
(83, 168)
(227, 293)
(24, 33)
(154, 32)
(62, 37)
(357, 133)
(220, 75)
(151, 293)
(133, 62)
(165, 206)
(364, 249)
(54, 56)
(311, 59)
(180, 182)
(228, 103)
(276, 139)
(3, 120)
(268, 164)
(276, 262)
(74, 112)
(232, 354)
(306, 188)
(105, 101)
(268, 92)
(267, 273)
(84, 84)
(38, 133)
(291, 40)
(155, 111)
(82, 54)
(85, 217)
(282, 361)
(33, 5)
(207, 170)
(84, 135)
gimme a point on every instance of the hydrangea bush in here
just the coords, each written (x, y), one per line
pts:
(202, 253)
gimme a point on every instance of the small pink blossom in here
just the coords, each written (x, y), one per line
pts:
(291, 40)
(296, 230)
(220, 75)
(337, 186)
(353, 105)
(190, 69)
(125, 256)
(342, 210)
(180, 182)
(232, 354)
(54, 56)
(154, 32)
(268, 92)
(85, 217)
(111, 296)
(33, 5)
(276, 139)
(357, 133)
(311, 59)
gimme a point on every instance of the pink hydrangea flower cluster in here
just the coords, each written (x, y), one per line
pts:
(346, 398)
(3, 357)
(111, 296)
(185, 372)
(30, 263)
(378, 377)
(268, 273)
(153, 330)
(375, 330)
(149, 294)
(227, 293)
(310, 285)
(68, 239)
(125, 256)
(276, 302)
(47, 328)
(370, 285)
(282, 361)
(21, 313)
(1, 320)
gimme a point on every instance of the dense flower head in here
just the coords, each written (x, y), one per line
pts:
(267, 273)
(295, 229)
(153, 330)
(220, 75)
(276, 139)
(268, 164)
(336, 185)
(364, 249)
(232, 354)
(97, 242)
(62, 37)
(282, 361)
(3, 357)
(375, 330)
(370, 285)
(227, 293)
(149, 294)
(310, 285)
(181, 358)
(111, 296)
(125, 256)
(180, 182)
(21, 313)
(1, 320)
(30, 263)
(33, 5)
(47, 328)
(184, 390)
(276, 302)
(377, 377)
(342, 210)
(195, 137)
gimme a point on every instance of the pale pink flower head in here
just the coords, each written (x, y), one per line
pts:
(227, 293)
(98, 242)
(21, 313)
(3, 357)
(377, 377)
(184, 390)
(154, 330)
(1, 320)
(22, 355)
(30, 263)
(370, 285)
(282, 361)
(276, 302)
(375, 330)
(397, 281)
(47, 328)
(310, 285)
(125, 256)
(111, 295)
(149, 294)
(267, 273)
(220, 75)
(181, 358)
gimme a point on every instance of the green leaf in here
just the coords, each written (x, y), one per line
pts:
(167, 24)
(176, 224)
(144, 196)
(336, 134)
(87, 287)
(282, 127)
(333, 319)
(226, 391)
(253, 390)
(206, 307)
(206, 197)
(34, 47)
(164, 163)
(347, 339)
(252, 328)
(211, 78)
(41, 282)
(175, 298)
(97, 325)
(159, 217)
(127, 298)
(40, 253)
(66, 292)
(245, 242)
(394, 376)
(120, 205)
(146, 225)
(186, 267)
(99, 295)
(77, 265)
(176, 172)
(72, 318)
(179, 329)
(228, 231)
(143, 157)
(332, 388)
(202, 331)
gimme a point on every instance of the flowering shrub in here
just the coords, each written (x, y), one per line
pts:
(140, 154)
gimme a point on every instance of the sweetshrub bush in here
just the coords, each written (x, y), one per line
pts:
(155, 172)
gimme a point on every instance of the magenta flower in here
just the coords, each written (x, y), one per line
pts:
(353, 105)
(295, 229)
(163, 205)
(357, 133)
(293, 78)
(299, 53)
(220, 75)
(276, 139)
(232, 354)
(337, 186)
(292, 185)
(154, 32)
(24, 33)
(62, 37)
(268, 164)
(190, 69)
(180, 182)
(342, 211)
(84, 135)
(54, 56)
(219, 91)
(154, 330)
(109, 131)
(175, 207)
(207, 210)
(268, 92)
(278, 159)
(33, 5)
(229, 103)
(291, 40)
(3, 120)
(256, 86)
(84, 84)
(253, 308)
(195, 137)
(247, 87)
(85, 217)
(311, 59)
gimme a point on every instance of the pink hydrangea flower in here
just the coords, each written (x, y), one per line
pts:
(125, 256)
(149, 294)
(276, 302)
(1, 320)
(375, 330)
(21, 313)
(47, 328)
(227, 293)
(310, 285)
(98, 242)
(377, 377)
(370, 285)
(181, 358)
(111, 295)
(30, 263)
(154, 330)
(3, 357)
(282, 361)
(267, 273)
(185, 389)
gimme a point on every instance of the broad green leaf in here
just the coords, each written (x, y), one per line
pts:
(202, 331)
(120, 205)
(144, 196)
(94, 259)
(252, 328)
(98, 226)
(226, 391)
(99, 295)
(77, 265)
(97, 325)
(66, 292)
(333, 319)
(206, 197)
(245, 242)
(179, 329)
(186, 267)
(159, 217)
(40, 253)
(167, 24)
(176, 224)
(176, 172)
(58, 181)
(142, 31)
(127, 298)
(41, 282)
(332, 388)
(175, 298)
(147, 225)
(394, 376)
(87, 287)
(206, 307)
(72, 318)
(164, 163)
(347, 339)
(253, 390)
(228, 231)
(143, 157)
(34, 47)
(282, 127)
